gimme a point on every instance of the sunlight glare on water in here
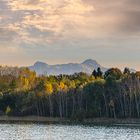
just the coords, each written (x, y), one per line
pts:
(66, 132)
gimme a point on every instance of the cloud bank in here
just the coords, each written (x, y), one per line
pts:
(58, 25)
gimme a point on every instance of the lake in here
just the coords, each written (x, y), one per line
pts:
(66, 132)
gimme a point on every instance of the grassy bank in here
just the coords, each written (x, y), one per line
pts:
(46, 120)
(32, 119)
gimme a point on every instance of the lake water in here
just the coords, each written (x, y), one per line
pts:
(66, 132)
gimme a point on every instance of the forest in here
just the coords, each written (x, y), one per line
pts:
(113, 94)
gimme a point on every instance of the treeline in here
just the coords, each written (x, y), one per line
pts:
(113, 94)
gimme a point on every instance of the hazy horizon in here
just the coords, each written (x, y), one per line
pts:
(73, 62)
(66, 31)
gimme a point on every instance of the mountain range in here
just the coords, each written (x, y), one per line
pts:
(87, 66)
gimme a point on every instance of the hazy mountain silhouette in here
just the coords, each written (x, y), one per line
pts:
(87, 66)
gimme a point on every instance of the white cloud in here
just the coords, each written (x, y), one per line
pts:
(52, 18)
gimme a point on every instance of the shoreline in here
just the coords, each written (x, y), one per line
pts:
(48, 120)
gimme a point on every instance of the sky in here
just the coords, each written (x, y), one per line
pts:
(63, 31)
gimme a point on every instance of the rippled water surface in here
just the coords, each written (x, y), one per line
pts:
(66, 132)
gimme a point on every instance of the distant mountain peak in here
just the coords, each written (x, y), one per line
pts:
(87, 66)
(90, 61)
(37, 63)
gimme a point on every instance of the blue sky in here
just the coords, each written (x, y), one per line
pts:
(62, 31)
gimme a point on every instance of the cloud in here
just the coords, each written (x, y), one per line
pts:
(51, 25)
(124, 15)
(8, 37)
(47, 21)
(51, 19)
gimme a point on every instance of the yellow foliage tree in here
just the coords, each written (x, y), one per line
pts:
(62, 85)
(48, 88)
(26, 83)
(8, 110)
